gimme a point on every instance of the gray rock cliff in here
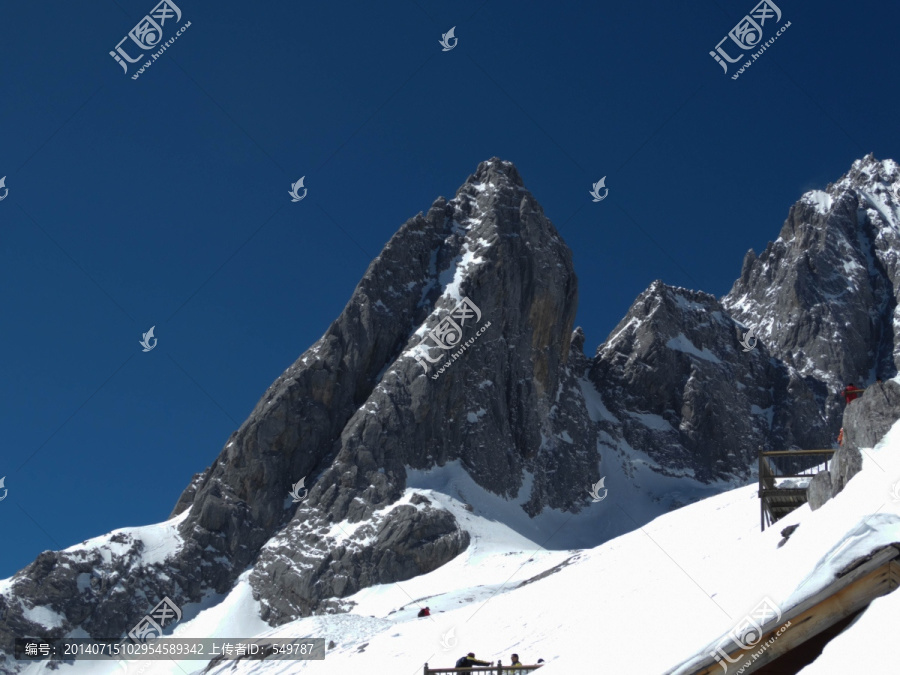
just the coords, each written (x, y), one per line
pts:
(823, 296)
(675, 374)
(866, 421)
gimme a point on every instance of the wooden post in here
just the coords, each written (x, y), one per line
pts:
(762, 506)
(425, 671)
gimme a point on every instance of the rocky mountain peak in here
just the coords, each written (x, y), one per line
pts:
(683, 388)
(822, 296)
(871, 175)
(496, 171)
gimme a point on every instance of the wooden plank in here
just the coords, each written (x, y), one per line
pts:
(796, 453)
(483, 669)
(762, 502)
(795, 475)
(894, 568)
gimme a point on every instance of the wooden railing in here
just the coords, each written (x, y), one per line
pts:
(484, 669)
(776, 502)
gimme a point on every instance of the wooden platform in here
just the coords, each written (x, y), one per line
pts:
(775, 502)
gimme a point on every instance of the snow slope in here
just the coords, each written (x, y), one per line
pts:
(642, 603)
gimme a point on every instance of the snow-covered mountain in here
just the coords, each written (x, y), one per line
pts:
(647, 602)
(449, 420)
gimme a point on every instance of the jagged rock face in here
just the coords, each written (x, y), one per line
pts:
(503, 408)
(866, 421)
(870, 417)
(102, 587)
(676, 376)
(823, 296)
(60, 579)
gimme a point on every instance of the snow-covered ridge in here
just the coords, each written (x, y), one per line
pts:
(822, 201)
(876, 182)
(139, 547)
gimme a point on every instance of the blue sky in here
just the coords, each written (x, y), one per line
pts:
(163, 201)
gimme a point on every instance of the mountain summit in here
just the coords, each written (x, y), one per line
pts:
(456, 364)
(823, 296)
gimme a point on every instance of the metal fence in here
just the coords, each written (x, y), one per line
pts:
(496, 670)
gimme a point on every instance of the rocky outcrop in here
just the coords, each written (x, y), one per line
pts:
(866, 421)
(846, 463)
(819, 490)
(407, 542)
(686, 391)
(870, 417)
